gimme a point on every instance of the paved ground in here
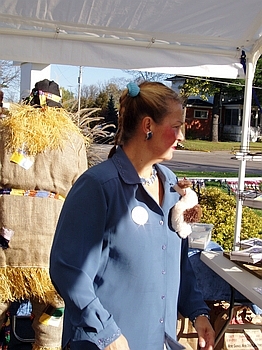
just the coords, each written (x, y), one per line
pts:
(210, 161)
(200, 161)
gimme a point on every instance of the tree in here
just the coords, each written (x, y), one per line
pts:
(204, 87)
(111, 115)
(69, 101)
(9, 80)
(101, 100)
(215, 116)
(228, 89)
(257, 82)
(67, 95)
(90, 91)
(114, 91)
(140, 76)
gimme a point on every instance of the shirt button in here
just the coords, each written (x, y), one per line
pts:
(163, 272)
(161, 222)
(163, 246)
(161, 320)
(163, 296)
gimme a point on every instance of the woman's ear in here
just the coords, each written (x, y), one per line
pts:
(147, 124)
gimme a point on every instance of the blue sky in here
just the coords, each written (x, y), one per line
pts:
(67, 76)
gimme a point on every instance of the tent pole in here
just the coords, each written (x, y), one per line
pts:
(250, 67)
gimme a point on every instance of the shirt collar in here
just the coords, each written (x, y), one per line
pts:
(129, 174)
(125, 168)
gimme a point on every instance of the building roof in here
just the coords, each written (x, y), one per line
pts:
(198, 102)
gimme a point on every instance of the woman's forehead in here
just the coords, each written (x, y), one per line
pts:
(176, 111)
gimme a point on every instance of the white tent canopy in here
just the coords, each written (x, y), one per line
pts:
(167, 35)
(192, 37)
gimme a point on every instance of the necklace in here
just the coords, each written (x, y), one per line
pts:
(150, 180)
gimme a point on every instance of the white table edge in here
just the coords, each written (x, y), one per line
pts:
(242, 280)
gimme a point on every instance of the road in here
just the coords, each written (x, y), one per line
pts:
(219, 161)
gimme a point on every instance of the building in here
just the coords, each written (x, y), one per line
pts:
(199, 120)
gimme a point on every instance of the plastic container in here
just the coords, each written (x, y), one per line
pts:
(200, 236)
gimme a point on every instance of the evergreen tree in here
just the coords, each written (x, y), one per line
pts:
(101, 100)
(111, 115)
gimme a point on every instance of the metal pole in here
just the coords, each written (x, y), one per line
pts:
(79, 93)
(243, 150)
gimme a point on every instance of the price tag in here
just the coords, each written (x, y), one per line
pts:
(22, 160)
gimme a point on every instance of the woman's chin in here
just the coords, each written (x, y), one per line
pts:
(168, 155)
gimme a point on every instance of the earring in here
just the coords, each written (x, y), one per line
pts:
(149, 135)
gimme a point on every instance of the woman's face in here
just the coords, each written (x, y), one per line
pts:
(168, 133)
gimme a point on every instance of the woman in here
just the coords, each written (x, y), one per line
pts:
(121, 269)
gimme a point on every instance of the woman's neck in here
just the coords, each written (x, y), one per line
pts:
(140, 160)
(139, 156)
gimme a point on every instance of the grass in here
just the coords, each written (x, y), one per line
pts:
(208, 146)
(207, 174)
(258, 212)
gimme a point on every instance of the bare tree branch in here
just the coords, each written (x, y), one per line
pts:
(9, 80)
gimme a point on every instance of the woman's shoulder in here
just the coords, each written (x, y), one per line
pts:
(102, 172)
(97, 178)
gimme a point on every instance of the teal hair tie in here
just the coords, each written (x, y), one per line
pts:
(133, 89)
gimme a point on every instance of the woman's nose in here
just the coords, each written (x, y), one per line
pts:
(180, 136)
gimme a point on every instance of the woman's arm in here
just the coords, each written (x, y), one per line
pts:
(75, 259)
(191, 302)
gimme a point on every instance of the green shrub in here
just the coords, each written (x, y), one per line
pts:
(219, 209)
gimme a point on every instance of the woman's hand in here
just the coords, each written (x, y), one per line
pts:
(206, 333)
(119, 344)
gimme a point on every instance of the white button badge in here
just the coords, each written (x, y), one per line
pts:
(139, 215)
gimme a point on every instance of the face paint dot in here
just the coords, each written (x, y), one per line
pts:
(139, 215)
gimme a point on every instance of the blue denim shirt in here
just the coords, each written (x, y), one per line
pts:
(117, 262)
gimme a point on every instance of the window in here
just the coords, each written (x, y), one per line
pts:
(232, 117)
(200, 114)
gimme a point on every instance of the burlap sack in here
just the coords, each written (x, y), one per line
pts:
(47, 336)
(24, 265)
(33, 221)
(52, 170)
